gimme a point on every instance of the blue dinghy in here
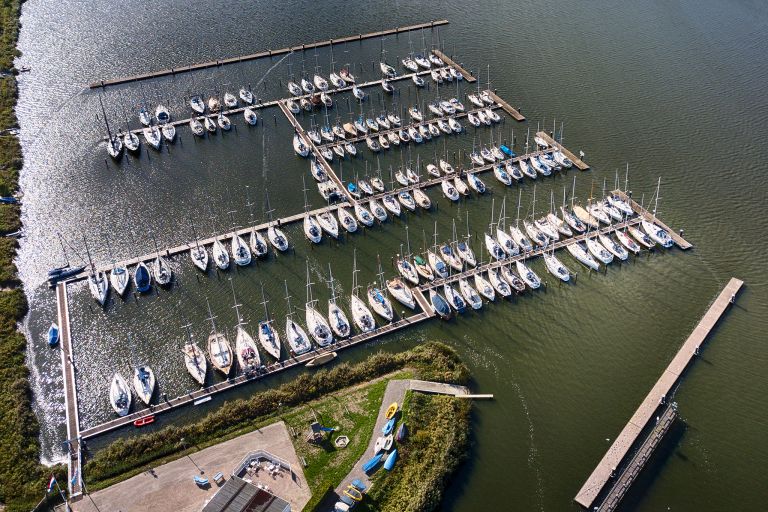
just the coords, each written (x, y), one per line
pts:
(372, 463)
(390, 462)
(53, 335)
(388, 426)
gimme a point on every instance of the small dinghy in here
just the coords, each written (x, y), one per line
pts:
(372, 463)
(391, 459)
(53, 335)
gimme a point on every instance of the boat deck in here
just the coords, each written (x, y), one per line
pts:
(658, 394)
(68, 369)
(266, 53)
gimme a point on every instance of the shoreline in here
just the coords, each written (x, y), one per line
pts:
(22, 477)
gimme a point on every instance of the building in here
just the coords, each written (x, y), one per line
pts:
(237, 495)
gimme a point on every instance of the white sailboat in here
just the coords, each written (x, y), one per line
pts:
(220, 255)
(360, 313)
(318, 327)
(484, 287)
(194, 359)
(598, 251)
(498, 283)
(161, 269)
(144, 383)
(219, 349)
(556, 267)
(470, 294)
(613, 246)
(297, 338)
(527, 275)
(268, 335)
(582, 255)
(336, 316)
(377, 298)
(400, 291)
(641, 237)
(120, 395)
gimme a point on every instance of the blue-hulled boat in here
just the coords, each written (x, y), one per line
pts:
(402, 432)
(373, 462)
(142, 278)
(353, 190)
(53, 335)
(388, 427)
(440, 305)
(504, 149)
(390, 462)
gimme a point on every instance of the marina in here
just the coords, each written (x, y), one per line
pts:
(557, 289)
(206, 393)
(267, 53)
(657, 397)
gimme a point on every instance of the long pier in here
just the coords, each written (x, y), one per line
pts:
(298, 217)
(278, 102)
(316, 152)
(266, 53)
(466, 74)
(415, 124)
(509, 109)
(613, 458)
(552, 142)
(74, 455)
(636, 465)
(215, 389)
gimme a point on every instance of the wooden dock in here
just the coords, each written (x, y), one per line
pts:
(298, 217)
(74, 482)
(552, 142)
(450, 62)
(276, 103)
(267, 53)
(437, 388)
(676, 237)
(215, 389)
(457, 116)
(316, 153)
(636, 465)
(604, 471)
(509, 109)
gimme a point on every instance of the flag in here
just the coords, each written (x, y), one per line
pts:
(74, 479)
(51, 483)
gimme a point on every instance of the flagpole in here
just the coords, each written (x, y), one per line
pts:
(61, 493)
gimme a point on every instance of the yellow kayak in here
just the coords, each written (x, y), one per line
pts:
(391, 410)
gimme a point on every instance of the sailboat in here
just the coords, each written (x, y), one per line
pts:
(197, 104)
(377, 299)
(527, 275)
(627, 241)
(399, 290)
(297, 338)
(657, 234)
(404, 265)
(268, 336)
(142, 279)
(582, 255)
(240, 250)
(498, 282)
(144, 383)
(555, 266)
(97, 280)
(194, 359)
(435, 261)
(484, 288)
(508, 242)
(598, 251)
(613, 246)
(360, 313)
(162, 269)
(463, 249)
(219, 349)
(220, 255)
(336, 316)
(470, 294)
(275, 235)
(512, 279)
(454, 298)
(317, 325)
(114, 142)
(120, 395)
(198, 253)
(119, 277)
(517, 235)
(347, 219)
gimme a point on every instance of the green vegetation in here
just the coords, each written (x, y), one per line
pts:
(127, 457)
(437, 443)
(22, 478)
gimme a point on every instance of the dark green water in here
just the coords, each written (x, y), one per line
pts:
(678, 91)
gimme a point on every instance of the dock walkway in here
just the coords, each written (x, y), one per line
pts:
(267, 53)
(658, 394)
(552, 142)
(450, 62)
(74, 483)
(637, 463)
(509, 109)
